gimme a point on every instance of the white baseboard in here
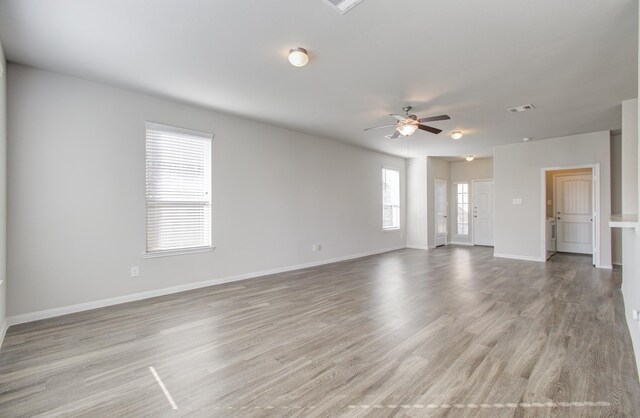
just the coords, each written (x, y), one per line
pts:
(470, 244)
(607, 267)
(417, 247)
(519, 257)
(65, 310)
(3, 330)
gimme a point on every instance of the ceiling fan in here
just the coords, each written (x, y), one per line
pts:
(407, 124)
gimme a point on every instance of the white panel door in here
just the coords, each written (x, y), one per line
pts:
(440, 199)
(574, 213)
(483, 212)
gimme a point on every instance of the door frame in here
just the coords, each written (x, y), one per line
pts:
(446, 213)
(473, 196)
(595, 172)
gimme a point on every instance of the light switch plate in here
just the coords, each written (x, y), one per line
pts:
(517, 201)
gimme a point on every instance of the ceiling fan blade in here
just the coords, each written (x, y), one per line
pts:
(380, 127)
(394, 136)
(430, 129)
(399, 117)
(434, 118)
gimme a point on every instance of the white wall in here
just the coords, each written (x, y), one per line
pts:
(631, 241)
(417, 203)
(630, 205)
(437, 169)
(519, 229)
(465, 172)
(3, 193)
(76, 194)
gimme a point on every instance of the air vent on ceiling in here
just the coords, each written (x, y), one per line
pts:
(343, 6)
(521, 108)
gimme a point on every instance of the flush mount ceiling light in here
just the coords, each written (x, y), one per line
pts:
(298, 57)
(469, 157)
(456, 135)
(526, 139)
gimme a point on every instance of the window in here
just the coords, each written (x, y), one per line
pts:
(390, 199)
(178, 189)
(463, 209)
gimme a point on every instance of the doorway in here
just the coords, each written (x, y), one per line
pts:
(482, 212)
(574, 213)
(571, 211)
(440, 199)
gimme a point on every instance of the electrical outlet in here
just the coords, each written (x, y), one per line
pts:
(635, 314)
(135, 271)
(549, 203)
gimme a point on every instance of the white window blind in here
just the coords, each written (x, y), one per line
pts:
(390, 198)
(178, 189)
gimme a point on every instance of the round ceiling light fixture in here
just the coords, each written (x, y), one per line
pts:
(469, 157)
(526, 139)
(298, 57)
(407, 129)
(456, 135)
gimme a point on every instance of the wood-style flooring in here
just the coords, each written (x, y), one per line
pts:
(451, 332)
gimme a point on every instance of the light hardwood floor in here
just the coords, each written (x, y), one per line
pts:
(450, 332)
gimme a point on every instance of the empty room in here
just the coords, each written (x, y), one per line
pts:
(319, 208)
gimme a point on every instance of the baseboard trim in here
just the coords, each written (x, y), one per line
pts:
(607, 267)
(470, 244)
(519, 257)
(417, 247)
(3, 331)
(86, 306)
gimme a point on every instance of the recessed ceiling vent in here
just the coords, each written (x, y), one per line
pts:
(521, 108)
(343, 6)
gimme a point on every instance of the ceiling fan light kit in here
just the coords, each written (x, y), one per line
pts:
(407, 129)
(298, 57)
(456, 135)
(470, 158)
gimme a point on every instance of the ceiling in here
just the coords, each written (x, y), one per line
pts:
(575, 60)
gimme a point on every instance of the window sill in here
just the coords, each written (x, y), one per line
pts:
(390, 229)
(169, 253)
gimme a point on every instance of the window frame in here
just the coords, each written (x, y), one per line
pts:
(457, 206)
(382, 178)
(183, 250)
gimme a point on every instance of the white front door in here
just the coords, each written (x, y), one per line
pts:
(440, 187)
(574, 213)
(483, 212)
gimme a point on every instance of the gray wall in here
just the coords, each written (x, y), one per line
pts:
(417, 203)
(3, 193)
(616, 196)
(465, 172)
(77, 194)
(518, 168)
(629, 158)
